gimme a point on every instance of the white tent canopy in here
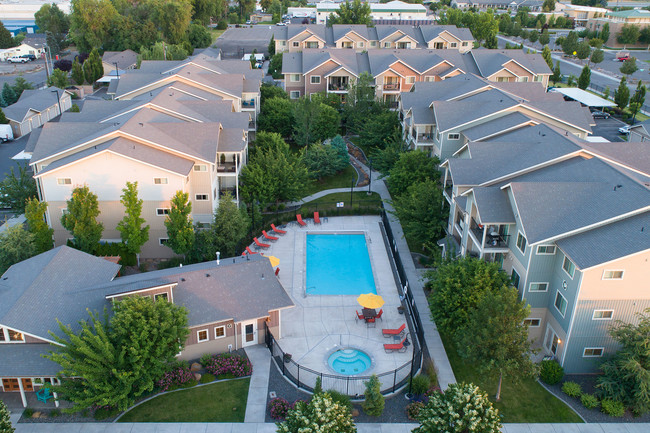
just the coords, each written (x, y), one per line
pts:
(584, 97)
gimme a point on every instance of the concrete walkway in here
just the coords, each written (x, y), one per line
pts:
(260, 357)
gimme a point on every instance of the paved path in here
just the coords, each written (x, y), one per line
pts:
(260, 357)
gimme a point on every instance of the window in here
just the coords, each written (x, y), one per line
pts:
(202, 335)
(453, 45)
(2, 335)
(360, 44)
(522, 79)
(464, 44)
(160, 296)
(603, 315)
(296, 44)
(294, 94)
(538, 287)
(386, 44)
(201, 197)
(283, 43)
(533, 323)
(315, 79)
(163, 241)
(373, 44)
(15, 335)
(64, 181)
(539, 78)
(160, 181)
(546, 250)
(613, 275)
(502, 79)
(568, 266)
(429, 78)
(593, 352)
(521, 242)
(453, 136)
(295, 78)
(560, 303)
(514, 277)
(200, 167)
(409, 80)
(162, 211)
(219, 331)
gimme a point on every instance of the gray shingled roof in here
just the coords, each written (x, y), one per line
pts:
(27, 360)
(633, 154)
(493, 205)
(56, 136)
(497, 125)
(36, 100)
(124, 59)
(492, 61)
(610, 242)
(431, 32)
(450, 114)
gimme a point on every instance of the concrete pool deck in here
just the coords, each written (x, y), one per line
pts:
(318, 325)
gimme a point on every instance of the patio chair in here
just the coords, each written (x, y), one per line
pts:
(44, 394)
(400, 347)
(277, 230)
(316, 218)
(300, 221)
(269, 237)
(359, 316)
(371, 320)
(381, 311)
(261, 245)
(248, 251)
(394, 332)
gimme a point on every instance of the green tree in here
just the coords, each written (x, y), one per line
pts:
(380, 125)
(35, 216)
(269, 91)
(21, 84)
(583, 50)
(55, 23)
(180, 233)
(412, 167)
(482, 25)
(360, 103)
(314, 121)
(626, 376)
(276, 115)
(355, 12)
(622, 94)
(606, 93)
(570, 43)
(92, 67)
(8, 94)
(546, 54)
(341, 147)
(462, 408)
(422, 212)
(495, 338)
(274, 173)
(557, 74)
(3, 118)
(173, 19)
(628, 35)
(17, 188)
(637, 100)
(116, 362)
(203, 11)
(80, 219)
(246, 7)
(629, 66)
(16, 245)
(548, 6)
(644, 36)
(322, 160)
(457, 287)
(162, 51)
(374, 402)
(604, 33)
(322, 414)
(91, 23)
(198, 36)
(533, 36)
(6, 41)
(384, 159)
(77, 72)
(275, 66)
(5, 420)
(59, 79)
(74, 108)
(131, 229)
(229, 227)
(585, 78)
(271, 47)
(597, 56)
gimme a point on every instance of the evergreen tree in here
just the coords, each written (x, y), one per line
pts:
(637, 100)
(585, 78)
(5, 421)
(271, 47)
(546, 54)
(374, 401)
(16, 188)
(3, 118)
(6, 41)
(8, 94)
(229, 227)
(604, 33)
(80, 219)
(180, 232)
(16, 245)
(77, 72)
(557, 74)
(597, 56)
(35, 215)
(131, 229)
(544, 38)
(92, 67)
(570, 44)
(622, 94)
(583, 50)
(629, 66)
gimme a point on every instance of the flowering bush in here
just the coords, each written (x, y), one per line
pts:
(321, 414)
(279, 407)
(227, 364)
(462, 408)
(175, 378)
(413, 410)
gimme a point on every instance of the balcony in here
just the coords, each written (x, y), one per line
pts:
(493, 239)
(337, 87)
(252, 124)
(391, 87)
(226, 167)
(447, 192)
(249, 103)
(231, 191)
(425, 138)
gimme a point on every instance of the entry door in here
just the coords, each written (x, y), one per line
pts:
(249, 333)
(552, 341)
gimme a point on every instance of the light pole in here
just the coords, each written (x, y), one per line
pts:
(58, 99)
(117, 70)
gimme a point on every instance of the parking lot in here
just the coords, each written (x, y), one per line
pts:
(608, 129)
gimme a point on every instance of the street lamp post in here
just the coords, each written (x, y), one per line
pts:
(117, 70)
(58, 99)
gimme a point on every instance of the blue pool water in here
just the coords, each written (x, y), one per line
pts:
(349, 361)
(338, 264)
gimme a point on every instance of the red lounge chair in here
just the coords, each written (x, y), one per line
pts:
(269, 237)
(277, 230)
(259, 244)
(300, 221)
(393, 332)
(248, 251)
(395, 347)
(316, 218)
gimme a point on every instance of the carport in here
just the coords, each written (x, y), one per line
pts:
(584, 97)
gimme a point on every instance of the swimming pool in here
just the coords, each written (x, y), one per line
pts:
(338, 264)
(349, 361)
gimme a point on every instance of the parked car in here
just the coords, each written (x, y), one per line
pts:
(624, 129)
(600, 115)
(17, 59)
(622, 56)
(29, 57)
(6, 133)
(280, 24)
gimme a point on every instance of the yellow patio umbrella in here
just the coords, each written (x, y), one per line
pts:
(370, 300)
(274, 260)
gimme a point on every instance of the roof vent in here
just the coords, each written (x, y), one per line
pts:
(207, 275)
(618, 186)
(262, 276)
(182, 279)
(141, 124)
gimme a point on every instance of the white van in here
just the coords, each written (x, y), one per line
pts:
(6, 134)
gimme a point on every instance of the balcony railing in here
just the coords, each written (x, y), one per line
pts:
(391, 86)
(496, 240)
(425, 138)
(232, 192)
(250, 103)
(477, 230)
(343, 87)
(251, 124)
(226, 167)
(448, 190)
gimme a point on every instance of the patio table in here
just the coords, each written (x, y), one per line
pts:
(369, 313)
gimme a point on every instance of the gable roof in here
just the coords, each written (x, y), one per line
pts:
(124, 59)
(490, 62)
(37, 100)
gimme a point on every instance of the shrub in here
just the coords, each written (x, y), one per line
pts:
(105, 412)
(342, 399)
(222, 25)
(278, 408)
(551, 372)
(374, 401)
(190, 383)
(589, 401)
(420, 384)
(177, 376)
(28, 412)
(205, 358)
(207, 378)
(55, 412)
(571, 389)
(612, 408)
(413, 410)
(318, 388)
(229, 365)
(320, 414)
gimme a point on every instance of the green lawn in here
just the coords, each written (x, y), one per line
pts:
(523, 402)
(342, 179)
(215, 33)
(217, 402)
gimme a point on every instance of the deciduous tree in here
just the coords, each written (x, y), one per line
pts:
(622, 94)
(17, 188)
(91, 22)
(80, 219)
(570, 43)
(132, 230)
(628, 35)
(6, 41)
(229, 227)
(412, 167)
(597, 56)
(322, 160)
(199, 36)
(544, 38)
(637, 100)
(59, 79)
(314, 121)
(55, 23)
(35, 215)
(16, 245)
(276, 115)
(629, 66)
(583, 50)
(355, 12)
(180, 233)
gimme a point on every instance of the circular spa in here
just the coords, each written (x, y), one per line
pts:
(349, 361)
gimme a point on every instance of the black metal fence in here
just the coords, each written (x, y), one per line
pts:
(645, 109)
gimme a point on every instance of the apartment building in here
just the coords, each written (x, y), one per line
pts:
(616, 20)
(184, 130)
(513, 5)
(222, 316)
(391, 11)
(568, 220)
(295, 37)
